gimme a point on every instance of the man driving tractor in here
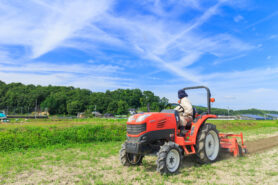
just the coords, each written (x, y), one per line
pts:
(185, 111)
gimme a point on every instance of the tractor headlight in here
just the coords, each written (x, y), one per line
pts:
(130, 119)
(142, 118)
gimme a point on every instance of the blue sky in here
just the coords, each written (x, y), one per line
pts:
(162, 46)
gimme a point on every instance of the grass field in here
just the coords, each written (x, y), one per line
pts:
(86, 162)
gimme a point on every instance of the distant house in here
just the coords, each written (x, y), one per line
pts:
(273, 116)
(96, 114)
(108, 115)
(251, 117)
(80, 115)
(132, 111)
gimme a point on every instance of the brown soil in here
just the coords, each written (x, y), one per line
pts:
(261, 144)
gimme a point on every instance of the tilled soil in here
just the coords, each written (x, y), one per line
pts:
(261, 144)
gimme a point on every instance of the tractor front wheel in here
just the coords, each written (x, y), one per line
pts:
(169, 158)
(129, 159)
(207, 144)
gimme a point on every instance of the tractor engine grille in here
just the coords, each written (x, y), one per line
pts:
(135, 129)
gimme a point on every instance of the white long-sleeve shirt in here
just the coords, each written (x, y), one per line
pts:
(186, 105)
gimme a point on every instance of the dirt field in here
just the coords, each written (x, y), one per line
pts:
(262, 144)
(95, 165)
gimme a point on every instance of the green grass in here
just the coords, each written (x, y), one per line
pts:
(27, 136)
(241, 125)
(272, 173)
(55, 121)
(12, 163)
(91, 163)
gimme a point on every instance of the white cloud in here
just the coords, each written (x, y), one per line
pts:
(253, 88)
(171, 49)
(42, 25)
(263, 19)
(40, 67)
(238, 18)
(95, 77)
(5, 57)
(171, 45)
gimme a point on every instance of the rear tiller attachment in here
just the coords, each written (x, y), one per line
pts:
(229, 142)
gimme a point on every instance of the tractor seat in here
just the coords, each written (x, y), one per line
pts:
(188, 125)
(194, 113)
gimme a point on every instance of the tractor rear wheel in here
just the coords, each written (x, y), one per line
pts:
(129, 159)
(169, 158)
(207, 144)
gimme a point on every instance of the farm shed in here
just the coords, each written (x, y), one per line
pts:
(96, 114)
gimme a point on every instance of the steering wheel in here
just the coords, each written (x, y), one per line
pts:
(181, 107)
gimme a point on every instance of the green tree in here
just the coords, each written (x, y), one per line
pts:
(74, 107)
(56, 103)
(112, 107)
(122, 107)
(155, 107)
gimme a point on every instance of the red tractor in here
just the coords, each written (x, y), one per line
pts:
(158, 133)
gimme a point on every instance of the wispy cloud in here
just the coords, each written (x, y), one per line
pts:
(42, 25)
(253, 88)
(167, 37)
(40, 67)
(238, 18)
(95, 77)
(263, 19)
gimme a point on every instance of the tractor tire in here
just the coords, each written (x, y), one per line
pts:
(169, 158)
(207, 144)
(129, 159)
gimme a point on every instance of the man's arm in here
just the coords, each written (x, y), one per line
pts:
(179, 108)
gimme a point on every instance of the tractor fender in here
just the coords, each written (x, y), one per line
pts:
(197, 125)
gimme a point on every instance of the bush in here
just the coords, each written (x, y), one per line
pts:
(38, 137)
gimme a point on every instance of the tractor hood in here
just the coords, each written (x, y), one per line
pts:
(147, 117)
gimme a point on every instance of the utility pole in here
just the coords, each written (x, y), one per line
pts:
(36, 109)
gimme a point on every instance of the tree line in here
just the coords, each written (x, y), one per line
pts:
(20, 98)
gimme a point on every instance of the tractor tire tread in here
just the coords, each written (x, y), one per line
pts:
(162, 154)
(124, 158)
(200, 143)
